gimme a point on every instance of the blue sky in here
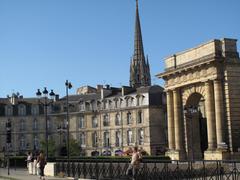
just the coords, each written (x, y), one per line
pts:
(89, 42)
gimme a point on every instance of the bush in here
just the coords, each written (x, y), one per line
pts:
(114, 158)
(18, 161)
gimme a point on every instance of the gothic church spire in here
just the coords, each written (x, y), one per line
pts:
(139, 70)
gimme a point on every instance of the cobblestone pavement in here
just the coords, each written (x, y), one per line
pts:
(21, 174)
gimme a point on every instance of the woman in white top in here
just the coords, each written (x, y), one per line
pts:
(135, 163)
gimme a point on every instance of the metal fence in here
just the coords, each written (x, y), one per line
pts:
(151, 170)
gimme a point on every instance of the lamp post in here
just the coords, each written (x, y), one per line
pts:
(189, 111)
(45, 103)
(61, 129)
(8, 141)
(68, 86)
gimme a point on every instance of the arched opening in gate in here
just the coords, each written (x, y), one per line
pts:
(195, 126)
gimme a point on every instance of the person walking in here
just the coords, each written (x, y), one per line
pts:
(29, 158)
(35, 165)
(42, 162)
(134, 164)
(30, 163)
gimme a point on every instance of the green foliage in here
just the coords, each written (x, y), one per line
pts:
(74, 147)
(114, 158)
(51, 147)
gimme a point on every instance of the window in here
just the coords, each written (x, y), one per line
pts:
(36, 142)
(94, 139)
(117, 120)
(87, 106)
(140, 99)
(140, 136)
(98, 105)
(140, 117)
(22, 125)
(34, 110)
(129, 137)
(81, 106)
(121, 103)
(116, 103)
(82, 139)
(106, 139)
(22, 143)
(129, 118)
(9, 110)
(106, 121)
(117, 138)
(104, 104)
(35, 124)
(21, 110)
(93, 105)
(110, 104)
(81, 122)
(130, 102)
(94, 122)
(127, 102)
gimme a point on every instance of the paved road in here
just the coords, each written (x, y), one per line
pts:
(21, 174)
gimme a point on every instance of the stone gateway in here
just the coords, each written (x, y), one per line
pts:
(203, 100)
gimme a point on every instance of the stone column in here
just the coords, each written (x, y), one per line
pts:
(210, 113)
(171, 138)
(218, 110)
(177, 120)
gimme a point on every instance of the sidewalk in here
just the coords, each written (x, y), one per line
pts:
(22, 174)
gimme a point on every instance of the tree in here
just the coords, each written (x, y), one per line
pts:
(51, 147)
(75, 149)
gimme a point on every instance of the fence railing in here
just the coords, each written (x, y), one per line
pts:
(151, 169)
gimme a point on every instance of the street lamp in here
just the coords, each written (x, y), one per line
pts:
(189, 111)
(8, 141)
(68, 86)
(61, 129)
(45, 103)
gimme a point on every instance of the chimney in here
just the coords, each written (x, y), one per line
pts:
(107, 86)
(56, 97)
(126, 90)
(99, 87)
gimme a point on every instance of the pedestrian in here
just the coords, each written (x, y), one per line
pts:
(35, 165)
(134, 164)
(30, 163)
(29, 157)
(42, 162)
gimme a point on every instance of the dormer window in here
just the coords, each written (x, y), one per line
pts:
(87, 106)
(109, 104)
(81, 106)
(35, 110)
(116, 103)
(99, 105)
(9, 110)
(21, 110)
